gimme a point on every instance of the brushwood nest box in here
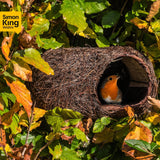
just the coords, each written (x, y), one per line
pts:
(79, 73)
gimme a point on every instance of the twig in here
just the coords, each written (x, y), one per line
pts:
(30, 122)
(122, 9)
(41, 149)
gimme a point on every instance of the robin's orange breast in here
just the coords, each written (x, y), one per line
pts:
(110, 90)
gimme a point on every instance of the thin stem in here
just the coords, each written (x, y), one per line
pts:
(30, 123)
(41, 149)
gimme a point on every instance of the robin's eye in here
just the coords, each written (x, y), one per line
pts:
(110, 78)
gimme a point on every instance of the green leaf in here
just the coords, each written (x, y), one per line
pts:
(33, 57)
(70, 114)
(73, 14)
(2, 60)
(48, 43)
(39, 26)
(14, 125)
(110, 19)
(156, 27)
(80, 135)
(102, 41)
(95, 6)
(139, 145)
(54, 13)
(105, 120)
(68, 154)
(98, 126)
(55, 120)
(10, 76)
(56, 152)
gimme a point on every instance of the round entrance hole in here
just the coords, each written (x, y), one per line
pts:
(133, 82)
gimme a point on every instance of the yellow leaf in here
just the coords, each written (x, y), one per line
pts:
(22, 70)
(8, 148)
(21, 2)
(141, 24)
(23, 118)
(105, 136)
(34, 125)
(22, 94)
(38, 113)
(6, 45)
(154, 118)
(138, 132)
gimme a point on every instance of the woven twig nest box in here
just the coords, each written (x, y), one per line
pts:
(79, 73)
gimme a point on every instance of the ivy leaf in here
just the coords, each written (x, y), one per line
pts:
(22, 70)
(73, 14)
(110, 19)
(22, 94)
(39, 26)
(95, 6)
(33, 57)
(68, 154)
(80, 135)
(100, 124)
(56, 152)
(48, 43)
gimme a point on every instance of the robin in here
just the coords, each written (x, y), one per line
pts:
(110, 91)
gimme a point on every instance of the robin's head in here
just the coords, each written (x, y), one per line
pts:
(112, 79)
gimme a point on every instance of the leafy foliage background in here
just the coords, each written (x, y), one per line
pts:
(27, 132)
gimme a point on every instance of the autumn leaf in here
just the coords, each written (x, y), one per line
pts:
(154, 118)
(5, 47)
(105, 136)
(141, 24)
(7, 117)
(9, 2)
(22, 94)
(155, 103)
(2, 135)
(139, 132)
(22, 70)
(17, 152)
(2, 104)
(153, 10)
(130, 111)
(33, 57)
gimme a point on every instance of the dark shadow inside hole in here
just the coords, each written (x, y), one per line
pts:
(133, 80)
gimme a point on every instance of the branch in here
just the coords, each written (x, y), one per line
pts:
(30, 123)
(41, 149)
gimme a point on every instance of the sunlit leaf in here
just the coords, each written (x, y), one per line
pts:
(9, 2)
(154, 118)
(153, 10)
(95, 6)
(139, 132)
(56, 152)
(33, 57)
(38, 113)
(22, 94)
(48, 43)
(141, 24)
(105, 136)
(21, 2)
(110, 19)
(39, 26)
(80, 135)
(2, 104)
(73, 14)
(5, 47)
(22, 70)
(68, 154)
(34, 125)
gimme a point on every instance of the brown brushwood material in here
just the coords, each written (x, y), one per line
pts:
(77, 76)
